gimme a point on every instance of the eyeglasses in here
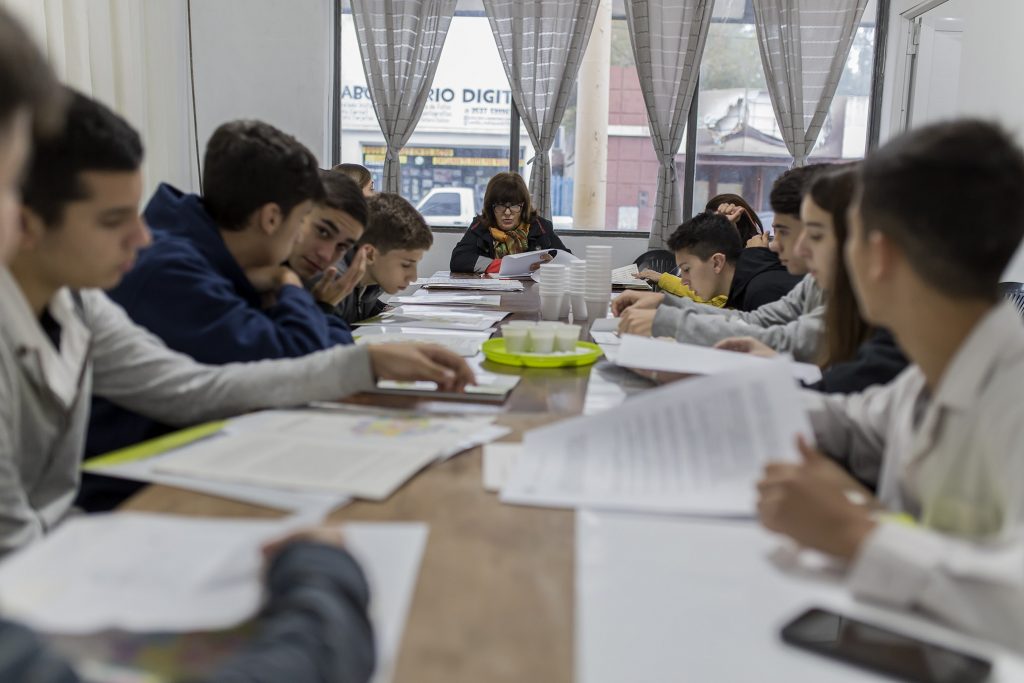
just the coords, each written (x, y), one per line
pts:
(510, 208)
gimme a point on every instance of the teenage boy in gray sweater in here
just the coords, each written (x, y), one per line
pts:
(315, 628)
(793, 324)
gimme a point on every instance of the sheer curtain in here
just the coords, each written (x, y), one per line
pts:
(400, 42)
(133, 56)
(668, 42)
(541, 44)
(804, 46)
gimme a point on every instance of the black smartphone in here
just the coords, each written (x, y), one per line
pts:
(878, 649)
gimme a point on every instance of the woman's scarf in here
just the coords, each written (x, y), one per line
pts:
(511, 242)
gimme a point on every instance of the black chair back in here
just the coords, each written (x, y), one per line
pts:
(1014, 293)
(661, 260)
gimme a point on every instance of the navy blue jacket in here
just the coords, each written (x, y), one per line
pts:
(477, 241)
(314, 629)
(188, 290)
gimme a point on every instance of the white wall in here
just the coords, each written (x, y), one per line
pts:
(993, 54)
(624, 249)
(265, 59)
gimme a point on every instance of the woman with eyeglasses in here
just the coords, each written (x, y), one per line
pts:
(507, 225)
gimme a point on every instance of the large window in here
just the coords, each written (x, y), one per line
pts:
(462, 138)
(464, 135)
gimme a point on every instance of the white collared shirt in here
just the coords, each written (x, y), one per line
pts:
(955, 462)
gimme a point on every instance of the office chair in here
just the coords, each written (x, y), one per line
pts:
(1014, 293)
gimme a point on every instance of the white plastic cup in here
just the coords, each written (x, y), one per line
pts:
(579, 306)
(543, 340)
(550, 306)
(517, 339)
(597, 308)
(566, 337)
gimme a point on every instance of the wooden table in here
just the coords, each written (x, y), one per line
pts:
(494, 601)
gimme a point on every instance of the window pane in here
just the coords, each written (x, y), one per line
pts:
(462, 138)
(739, 146)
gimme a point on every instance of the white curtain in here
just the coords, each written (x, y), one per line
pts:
(804, 46)
(541, 44)
(400, 42)
(133, 56)
(668, 41)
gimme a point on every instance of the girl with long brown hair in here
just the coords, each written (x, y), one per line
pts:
(853, 354)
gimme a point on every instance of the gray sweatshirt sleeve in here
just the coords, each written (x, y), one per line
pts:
(315, 628)
(802, 298)
(134, 368)
(793, 324)
(801, 337)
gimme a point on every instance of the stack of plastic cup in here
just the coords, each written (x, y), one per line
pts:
(578, 289)
(553, 279)
(598, 289)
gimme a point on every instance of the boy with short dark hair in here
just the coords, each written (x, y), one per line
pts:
(930, 233)
(213, 284)
(330, 230)
(395, 240)
(792, 324)
(713, 263)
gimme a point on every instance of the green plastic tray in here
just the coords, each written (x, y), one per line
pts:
(586, 353)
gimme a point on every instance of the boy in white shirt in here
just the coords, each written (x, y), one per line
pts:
(930, 234)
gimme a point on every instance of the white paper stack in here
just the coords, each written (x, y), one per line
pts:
(485, 284)
(426, 297)
(695, 447)
(465, 343)
(626, 277)
(437, 317)
(363, 455)
(658, 354)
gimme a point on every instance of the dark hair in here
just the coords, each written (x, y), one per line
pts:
(342, 193)
(707, 234)
(249, 164)
(26, 80)
(845, 329)
(749, 223)
(395, 224)
(944, 193)
(360, 174)
(506, 188)
(788, 189)
(94, 138)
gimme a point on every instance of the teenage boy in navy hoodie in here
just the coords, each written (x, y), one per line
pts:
(214, 284)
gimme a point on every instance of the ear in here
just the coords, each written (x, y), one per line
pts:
(883, 256)
(718, 262)
(371, 253)
(269, 218)
(33, 229)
